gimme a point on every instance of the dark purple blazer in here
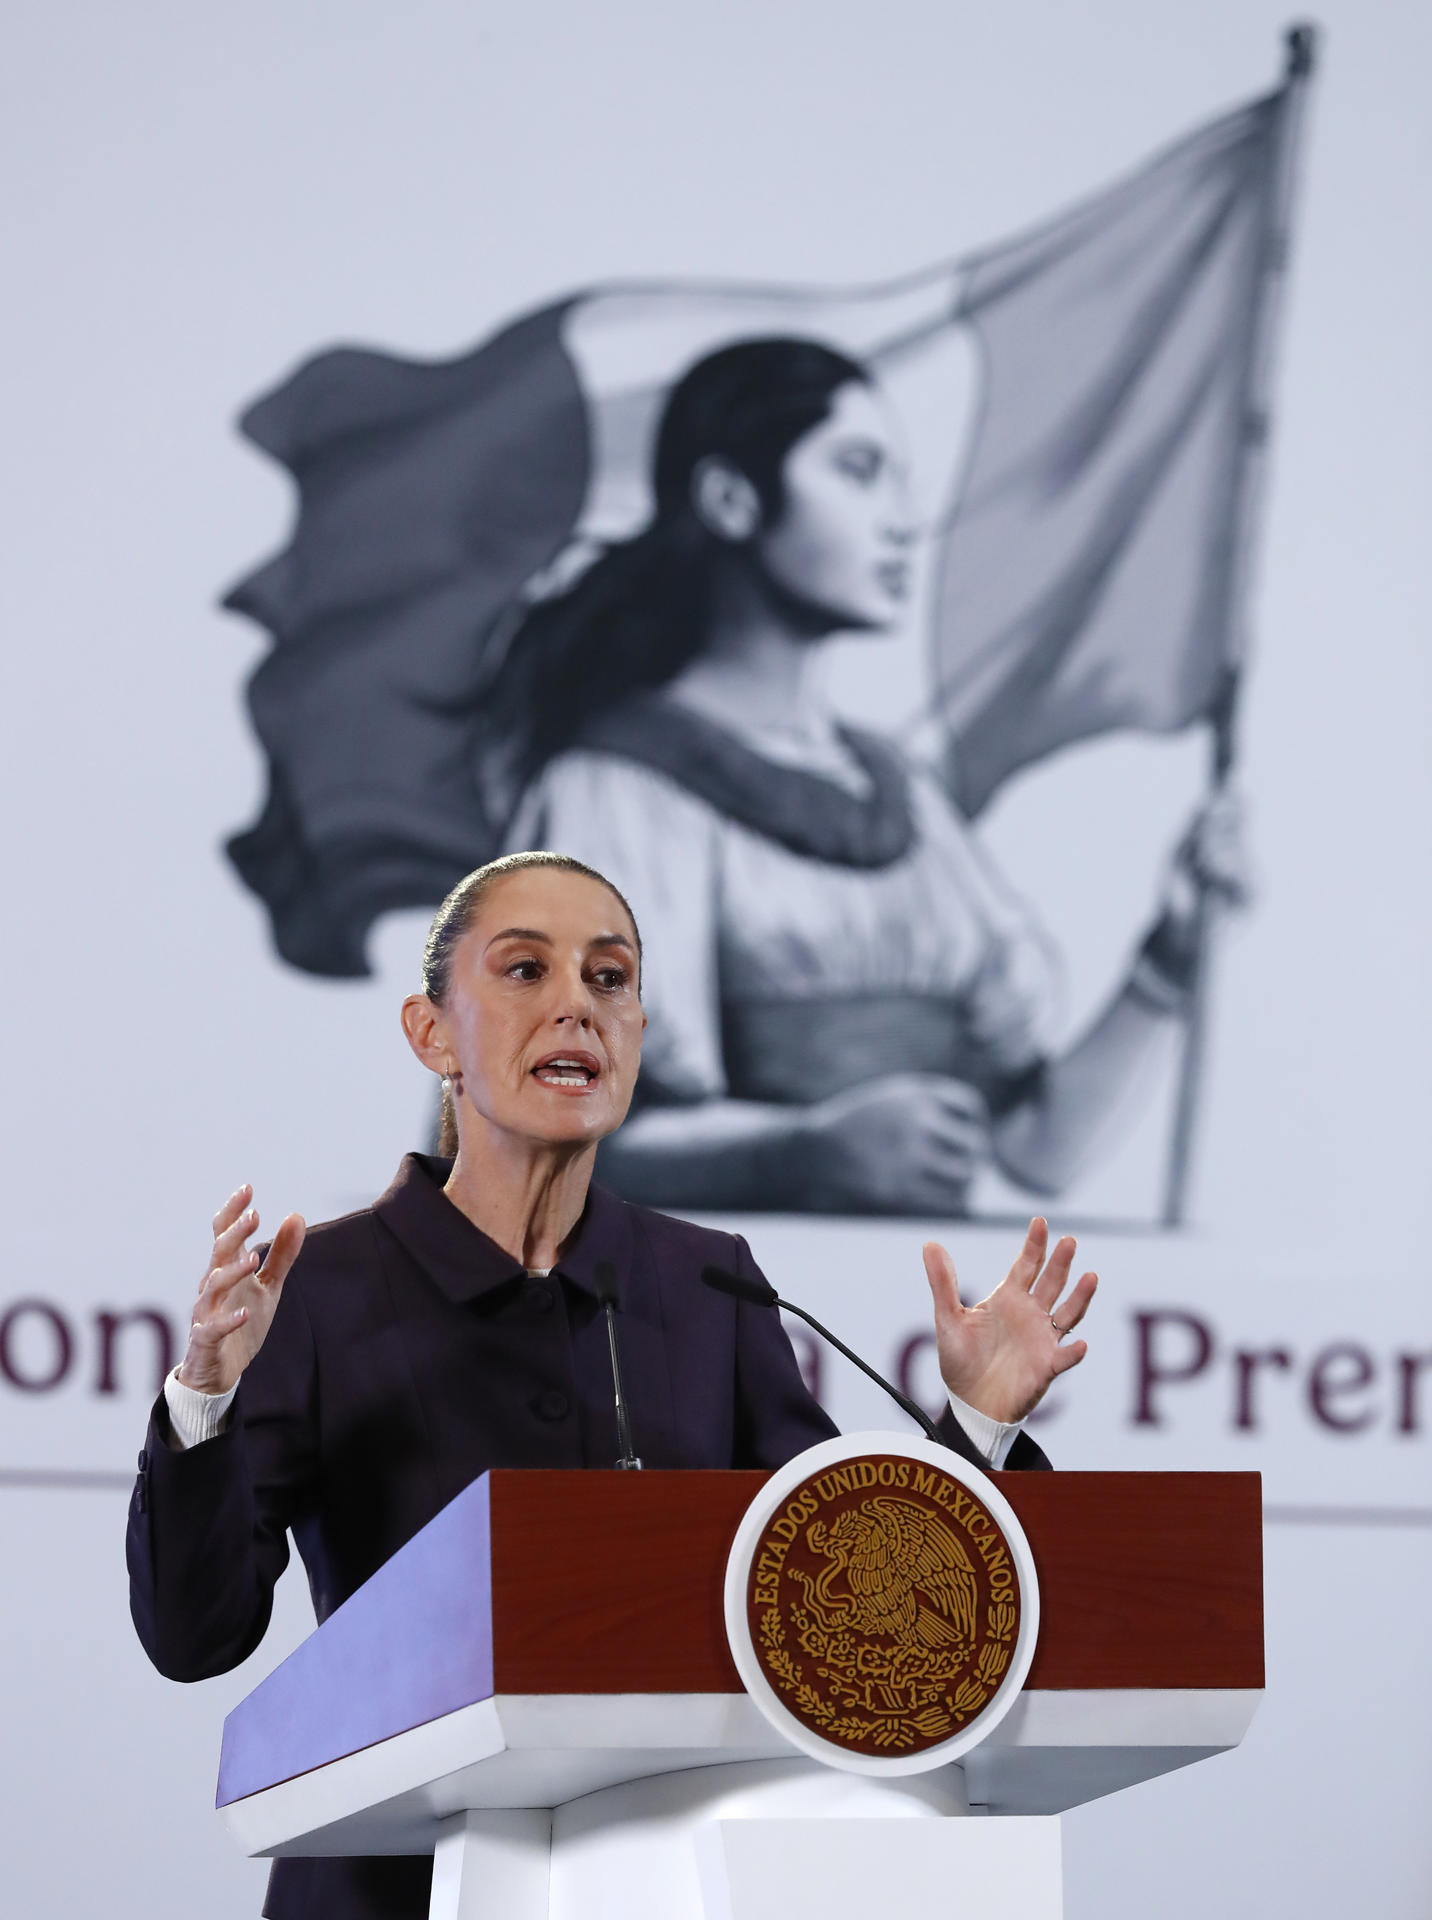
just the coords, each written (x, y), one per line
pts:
(408, 1355)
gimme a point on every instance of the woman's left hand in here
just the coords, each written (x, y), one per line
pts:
(1001, 1356)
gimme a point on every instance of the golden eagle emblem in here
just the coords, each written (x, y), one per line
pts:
(906, 1577)
(883, 1604)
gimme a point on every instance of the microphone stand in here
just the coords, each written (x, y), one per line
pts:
(903, 1401)
(606, 1294)
(761, 1294)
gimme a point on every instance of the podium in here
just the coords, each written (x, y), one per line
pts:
(538, 1690)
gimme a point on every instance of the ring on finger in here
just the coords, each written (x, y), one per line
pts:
(1059, 1332)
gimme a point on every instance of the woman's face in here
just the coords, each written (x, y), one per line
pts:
(543, 1011)
(842, 543)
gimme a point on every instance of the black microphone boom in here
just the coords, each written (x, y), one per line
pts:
(760, 1293)
(607, 1296)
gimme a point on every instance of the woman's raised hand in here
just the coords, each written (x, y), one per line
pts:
(1001, 1356)
(905, 1143)
(238, 1297)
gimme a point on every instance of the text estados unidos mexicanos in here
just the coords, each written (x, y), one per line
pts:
(807, 1502)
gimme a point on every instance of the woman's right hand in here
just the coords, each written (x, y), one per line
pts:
(238, 1297)
(905, 1143)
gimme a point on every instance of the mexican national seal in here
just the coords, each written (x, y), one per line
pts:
(882, 1599)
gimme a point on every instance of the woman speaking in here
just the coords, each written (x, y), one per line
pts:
(351, 1383)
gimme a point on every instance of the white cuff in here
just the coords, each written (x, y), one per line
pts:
(193, 1416)
(994, 1438)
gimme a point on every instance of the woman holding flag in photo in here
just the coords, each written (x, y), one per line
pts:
(851, 1011)
(568, 589)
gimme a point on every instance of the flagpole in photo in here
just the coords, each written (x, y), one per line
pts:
(1301, 43)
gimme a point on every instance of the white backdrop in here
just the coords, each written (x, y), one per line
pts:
(196, 198)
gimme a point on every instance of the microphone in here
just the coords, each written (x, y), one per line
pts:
(607, 1297)
(760, 1293)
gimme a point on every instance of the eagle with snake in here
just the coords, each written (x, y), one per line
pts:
(906, 1577)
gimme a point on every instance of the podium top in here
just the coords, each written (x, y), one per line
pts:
(605, 1583)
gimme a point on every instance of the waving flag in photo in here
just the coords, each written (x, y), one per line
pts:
(1091, 572)
(1081, 405)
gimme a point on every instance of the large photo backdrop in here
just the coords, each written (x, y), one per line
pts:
(932, 507)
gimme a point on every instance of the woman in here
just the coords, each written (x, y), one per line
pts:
(347, 1387)
(850, 1010)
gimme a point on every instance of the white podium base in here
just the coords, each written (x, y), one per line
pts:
(759, 1840)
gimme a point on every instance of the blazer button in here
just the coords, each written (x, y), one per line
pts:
(552, 1404)
(539, 1296)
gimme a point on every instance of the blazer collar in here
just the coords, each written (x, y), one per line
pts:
(461, 1258)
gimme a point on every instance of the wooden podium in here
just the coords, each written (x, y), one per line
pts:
(538, 1690)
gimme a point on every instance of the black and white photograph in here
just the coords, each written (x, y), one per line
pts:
(581, 587)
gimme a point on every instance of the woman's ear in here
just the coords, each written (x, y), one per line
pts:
(423, 1025)
(725, 502)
